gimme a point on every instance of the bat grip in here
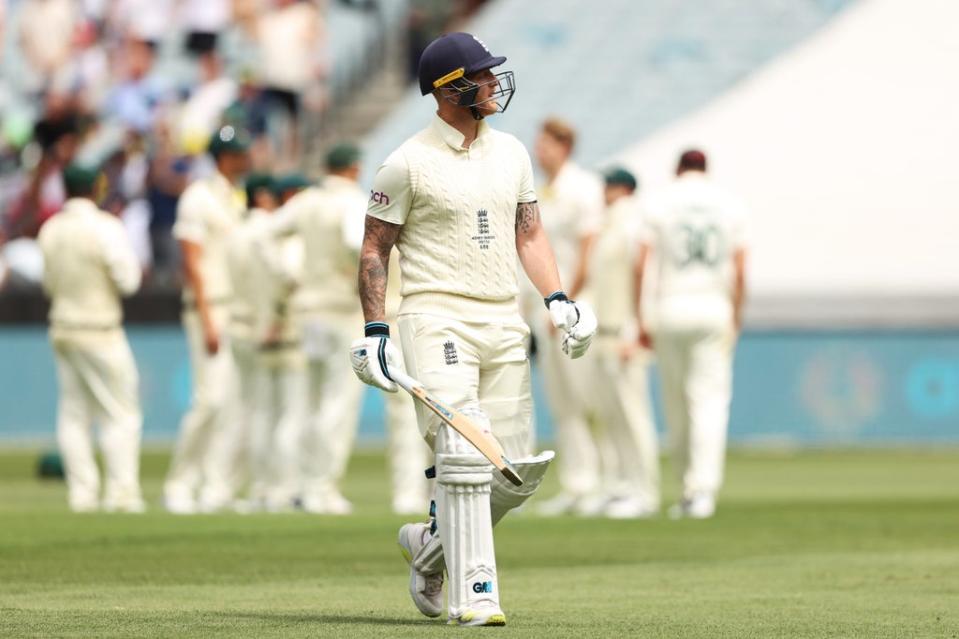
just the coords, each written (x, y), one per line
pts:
(406, 382)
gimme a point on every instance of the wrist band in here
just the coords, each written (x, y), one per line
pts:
(558, 296)
(377, 329)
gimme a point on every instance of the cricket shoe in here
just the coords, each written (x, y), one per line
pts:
(561, 504)
(696, 507)
(180, 505)
(328, 502)
(426, 590)
(485, 616)
(629, 508)
(409, 505)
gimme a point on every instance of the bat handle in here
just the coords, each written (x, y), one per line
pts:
(406, 382)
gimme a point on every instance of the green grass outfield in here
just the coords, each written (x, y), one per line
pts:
(814, 544)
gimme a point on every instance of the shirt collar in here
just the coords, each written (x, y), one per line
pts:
(338, 182)
(80, 204)
(453, 138)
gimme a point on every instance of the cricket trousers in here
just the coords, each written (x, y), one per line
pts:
(279, 399)
(481, 369)
(621, 403)
(203, 459)
(98, 383)
(579, 458)
(408, 455)
(696, 372)
(334, 397)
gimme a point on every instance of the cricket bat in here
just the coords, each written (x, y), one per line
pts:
(485, 444)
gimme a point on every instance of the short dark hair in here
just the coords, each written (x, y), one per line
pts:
(691, 160)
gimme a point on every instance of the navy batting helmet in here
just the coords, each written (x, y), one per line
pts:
(447, 61)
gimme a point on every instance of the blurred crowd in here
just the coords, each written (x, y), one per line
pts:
(138, 86)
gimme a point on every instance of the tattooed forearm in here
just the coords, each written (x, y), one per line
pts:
(527, 216)
(378, 241)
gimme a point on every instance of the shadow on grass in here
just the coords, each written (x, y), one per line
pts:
(299, 617)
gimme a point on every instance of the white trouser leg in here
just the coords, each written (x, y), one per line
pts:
(463, 478)
(74, 436)
(334, 400)
(621, 393)
(252, 409)
(709, 388)
(211, 374)
(289, 393)
(578, 461)
(223, 463)
(111, 376)
(672, 356)
(409, 456)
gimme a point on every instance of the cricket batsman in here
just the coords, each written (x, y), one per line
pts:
(88, 265)
(458, 201)
(694, 232)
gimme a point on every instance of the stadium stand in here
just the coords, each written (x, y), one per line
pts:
(627, 70)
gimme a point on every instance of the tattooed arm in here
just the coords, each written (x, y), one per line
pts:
(378, 240)
(534, 250)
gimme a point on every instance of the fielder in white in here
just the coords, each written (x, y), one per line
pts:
(618, 373)
(458, 201)
(204, 461)
(694, 232)
(88, 265)
(266, 350)
(571, 204)
(329, 219)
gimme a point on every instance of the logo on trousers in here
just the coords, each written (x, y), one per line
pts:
(449, 352)
(483, 586)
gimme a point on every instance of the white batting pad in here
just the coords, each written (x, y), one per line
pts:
(505, 496)
(463, 479)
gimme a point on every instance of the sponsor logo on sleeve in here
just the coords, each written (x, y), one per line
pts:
(379, 197)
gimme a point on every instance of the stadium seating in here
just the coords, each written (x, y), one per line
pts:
(619, 69)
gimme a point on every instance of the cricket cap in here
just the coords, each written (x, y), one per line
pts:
(618, 176)
(229, 139)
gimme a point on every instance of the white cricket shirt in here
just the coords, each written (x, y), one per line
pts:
(89, 264)
(694, 228)
(609, 283)
(329, 219)
(458, 211)
(571, 206)
(209, 210)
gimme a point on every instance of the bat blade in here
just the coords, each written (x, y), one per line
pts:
(484, 443)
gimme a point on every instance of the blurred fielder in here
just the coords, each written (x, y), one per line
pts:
(619, 392)
(207, 213)
(329, 219)
(457, 199)
(266, 348)
(88, 265)
(571, 202)
(694, 232)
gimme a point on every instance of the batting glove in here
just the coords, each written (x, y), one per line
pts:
(374, 356)
(575, 319)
